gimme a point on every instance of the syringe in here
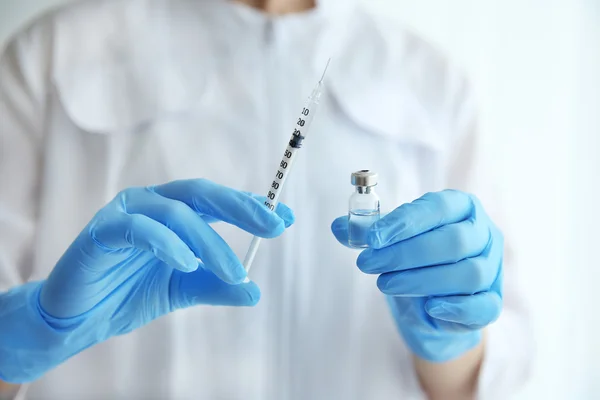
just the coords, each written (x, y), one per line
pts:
(300, 130)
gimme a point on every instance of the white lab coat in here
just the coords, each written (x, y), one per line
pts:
(107, 94)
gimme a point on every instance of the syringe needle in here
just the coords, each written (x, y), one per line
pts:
(325, 71)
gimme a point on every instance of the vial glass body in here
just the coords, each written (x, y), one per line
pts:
(363, 212)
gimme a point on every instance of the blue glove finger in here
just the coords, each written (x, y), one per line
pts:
(286, 213)
(475, 311)
(468, 276)
(117, 230)
(226, 204)
(339, 228)
(214, 252)
(203, 287)
(430, 211)
(465, 277)
(282, 210)
(443, 245)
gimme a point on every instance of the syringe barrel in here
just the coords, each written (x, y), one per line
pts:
(301, 128)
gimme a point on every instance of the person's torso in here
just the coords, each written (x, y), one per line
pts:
(145, 92)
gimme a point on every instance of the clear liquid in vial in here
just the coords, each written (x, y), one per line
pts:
(359, 222)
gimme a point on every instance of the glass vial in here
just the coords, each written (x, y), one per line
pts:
(364, 207)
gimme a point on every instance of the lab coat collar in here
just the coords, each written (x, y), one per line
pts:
(335, 8)
(365, 79)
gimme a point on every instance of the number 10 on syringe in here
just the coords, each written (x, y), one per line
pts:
(300, 131)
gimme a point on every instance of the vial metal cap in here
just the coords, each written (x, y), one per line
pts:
(364, 178)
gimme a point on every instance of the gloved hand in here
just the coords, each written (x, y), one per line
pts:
(440, 265)
(135, 261)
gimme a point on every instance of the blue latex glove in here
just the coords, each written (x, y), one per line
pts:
(440, 265)
(135, 261)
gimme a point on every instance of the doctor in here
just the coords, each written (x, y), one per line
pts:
(128, 129)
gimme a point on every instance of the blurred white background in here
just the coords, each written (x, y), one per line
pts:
(536, 67)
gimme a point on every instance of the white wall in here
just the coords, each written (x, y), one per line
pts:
(536, 65)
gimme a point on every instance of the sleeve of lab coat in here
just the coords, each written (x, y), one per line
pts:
(21, 103)
(509, 340)
(21, 119)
